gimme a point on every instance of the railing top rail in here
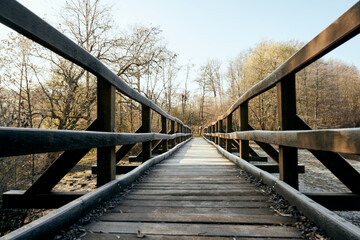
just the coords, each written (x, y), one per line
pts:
(22, 20)
(340, 31)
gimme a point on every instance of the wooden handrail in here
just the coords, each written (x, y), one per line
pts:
(333, 140)
(21, 141)
(324, 144)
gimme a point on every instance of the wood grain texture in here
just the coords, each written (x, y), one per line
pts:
(187, 196)
(21, 141)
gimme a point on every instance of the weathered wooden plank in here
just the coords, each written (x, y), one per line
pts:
(191, 166)
(196, 198)
(203, 210)
(230, 230)
(197, 218)
(199, 192)
(192, 180)
(107, 236)
(187, 179)
(199, 186)
(205, 187)
(195, 174)
(194, 204)
(195, 169)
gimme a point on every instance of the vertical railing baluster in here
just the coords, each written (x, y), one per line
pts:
(221, 130)
(172, 127)
(216, 131)
(228, 130)
(164, 130)
(146, 125)
(106, 159)
(244, 123)
(288, 156)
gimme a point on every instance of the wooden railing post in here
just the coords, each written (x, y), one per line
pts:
(228, 130)
(172, 131)
(216, 130)
(244, 123)
(181, 131)
(221, 130)
(106, 158)
(146, 124)
(164, 130)
(288, 156)
(177, 141)
(213, 131)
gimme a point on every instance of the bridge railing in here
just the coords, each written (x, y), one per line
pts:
(100, 134)
(294, 132)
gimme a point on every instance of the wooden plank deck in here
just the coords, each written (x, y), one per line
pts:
(195, 194)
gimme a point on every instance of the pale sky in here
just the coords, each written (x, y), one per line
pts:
(198, 30)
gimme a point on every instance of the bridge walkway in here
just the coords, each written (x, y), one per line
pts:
(195, 194)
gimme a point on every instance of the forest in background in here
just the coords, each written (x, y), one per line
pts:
(39, 89)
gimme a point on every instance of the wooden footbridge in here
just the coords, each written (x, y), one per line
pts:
(191, 192)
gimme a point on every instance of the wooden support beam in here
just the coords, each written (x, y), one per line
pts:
(337, 201)
(228, 130)
(253, 153)
(120, 169)
(124, 149)
(258, 159)
(346, 173)
(18, 199)
(59, 168)
(106, 156)
(288, 156)
(274, 168)
(146, 124)
(270, 150)
(244, 122)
